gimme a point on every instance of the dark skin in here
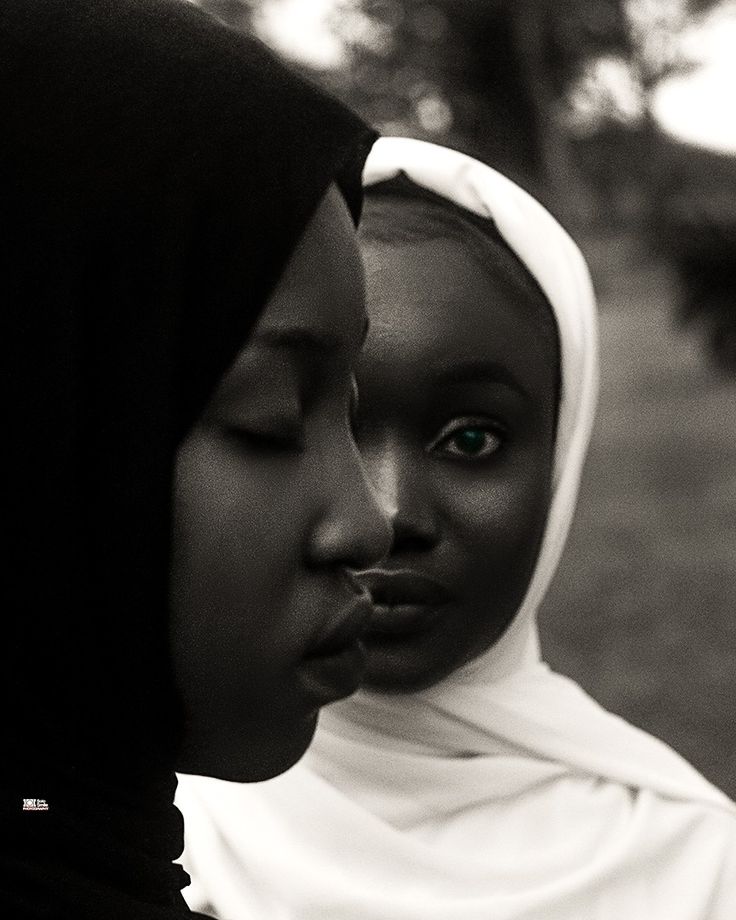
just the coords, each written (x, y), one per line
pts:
(272, 514)
(456, 426)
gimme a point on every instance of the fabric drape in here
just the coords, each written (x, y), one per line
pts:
(157, 169)
(504, 791)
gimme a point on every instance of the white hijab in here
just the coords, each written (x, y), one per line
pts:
(504, 792)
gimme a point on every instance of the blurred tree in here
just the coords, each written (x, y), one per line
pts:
(497, 78)
(555, 93)
(487, 77)
(695, 227)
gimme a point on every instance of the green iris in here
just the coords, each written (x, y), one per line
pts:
(470, 440)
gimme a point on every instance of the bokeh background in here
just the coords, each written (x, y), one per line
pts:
(620, 116)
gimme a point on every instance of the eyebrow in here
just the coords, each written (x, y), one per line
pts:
(478, 372)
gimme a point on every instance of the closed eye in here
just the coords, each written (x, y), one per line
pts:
(268, 433)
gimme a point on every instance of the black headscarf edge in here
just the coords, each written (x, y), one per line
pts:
(159, 170)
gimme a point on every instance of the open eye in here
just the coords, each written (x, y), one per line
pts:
(469, 438)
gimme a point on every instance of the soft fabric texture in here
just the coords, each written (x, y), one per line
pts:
(157, 170)
(504, 792)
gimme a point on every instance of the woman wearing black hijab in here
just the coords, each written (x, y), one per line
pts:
(163, 180)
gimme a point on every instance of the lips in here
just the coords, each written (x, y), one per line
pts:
(344, 631)
(335, 665)
(404, 601)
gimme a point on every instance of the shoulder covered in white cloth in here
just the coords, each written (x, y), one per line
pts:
(504, 791)
(374, 825)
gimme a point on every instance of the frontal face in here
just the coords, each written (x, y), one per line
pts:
(271, 512)
(456, 425)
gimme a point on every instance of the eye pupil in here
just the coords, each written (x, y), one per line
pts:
(470, 440)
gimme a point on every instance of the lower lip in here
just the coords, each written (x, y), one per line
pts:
(402, 620)
(331, 677)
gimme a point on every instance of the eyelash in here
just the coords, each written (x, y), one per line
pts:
(453, 428)
(264, 438)
(354, 403)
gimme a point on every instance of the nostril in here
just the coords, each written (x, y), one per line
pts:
(410, 543)
(412, 534)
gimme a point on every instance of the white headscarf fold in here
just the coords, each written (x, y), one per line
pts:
(503, 792)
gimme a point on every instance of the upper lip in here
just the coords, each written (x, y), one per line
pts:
(342, 633)
(394, 587)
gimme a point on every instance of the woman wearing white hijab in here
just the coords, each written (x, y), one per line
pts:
(501, 791)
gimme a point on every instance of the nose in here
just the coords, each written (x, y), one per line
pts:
(352, 530)
(397, 476)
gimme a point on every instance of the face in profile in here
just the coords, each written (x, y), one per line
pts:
(458, 391)
(272, 512)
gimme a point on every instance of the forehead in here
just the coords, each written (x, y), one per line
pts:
(433, 302)
(321, 290)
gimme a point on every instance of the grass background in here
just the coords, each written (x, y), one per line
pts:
(643, 609)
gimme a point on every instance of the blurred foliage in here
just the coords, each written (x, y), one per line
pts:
(698, 233)
(483, 76)
(510, 81)
(556, 94)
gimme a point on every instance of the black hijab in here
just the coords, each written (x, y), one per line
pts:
(157, 169)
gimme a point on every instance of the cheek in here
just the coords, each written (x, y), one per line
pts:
(236, 556)
(497, 525)
(496, 531)
(220, 516)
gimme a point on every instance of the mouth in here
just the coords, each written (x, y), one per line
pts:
(404, 602)
(334, 667)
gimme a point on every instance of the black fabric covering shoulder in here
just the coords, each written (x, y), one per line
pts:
(157, 169)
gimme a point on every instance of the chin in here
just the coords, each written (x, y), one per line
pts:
(387, 677)
(275, 752)
(407, 664)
